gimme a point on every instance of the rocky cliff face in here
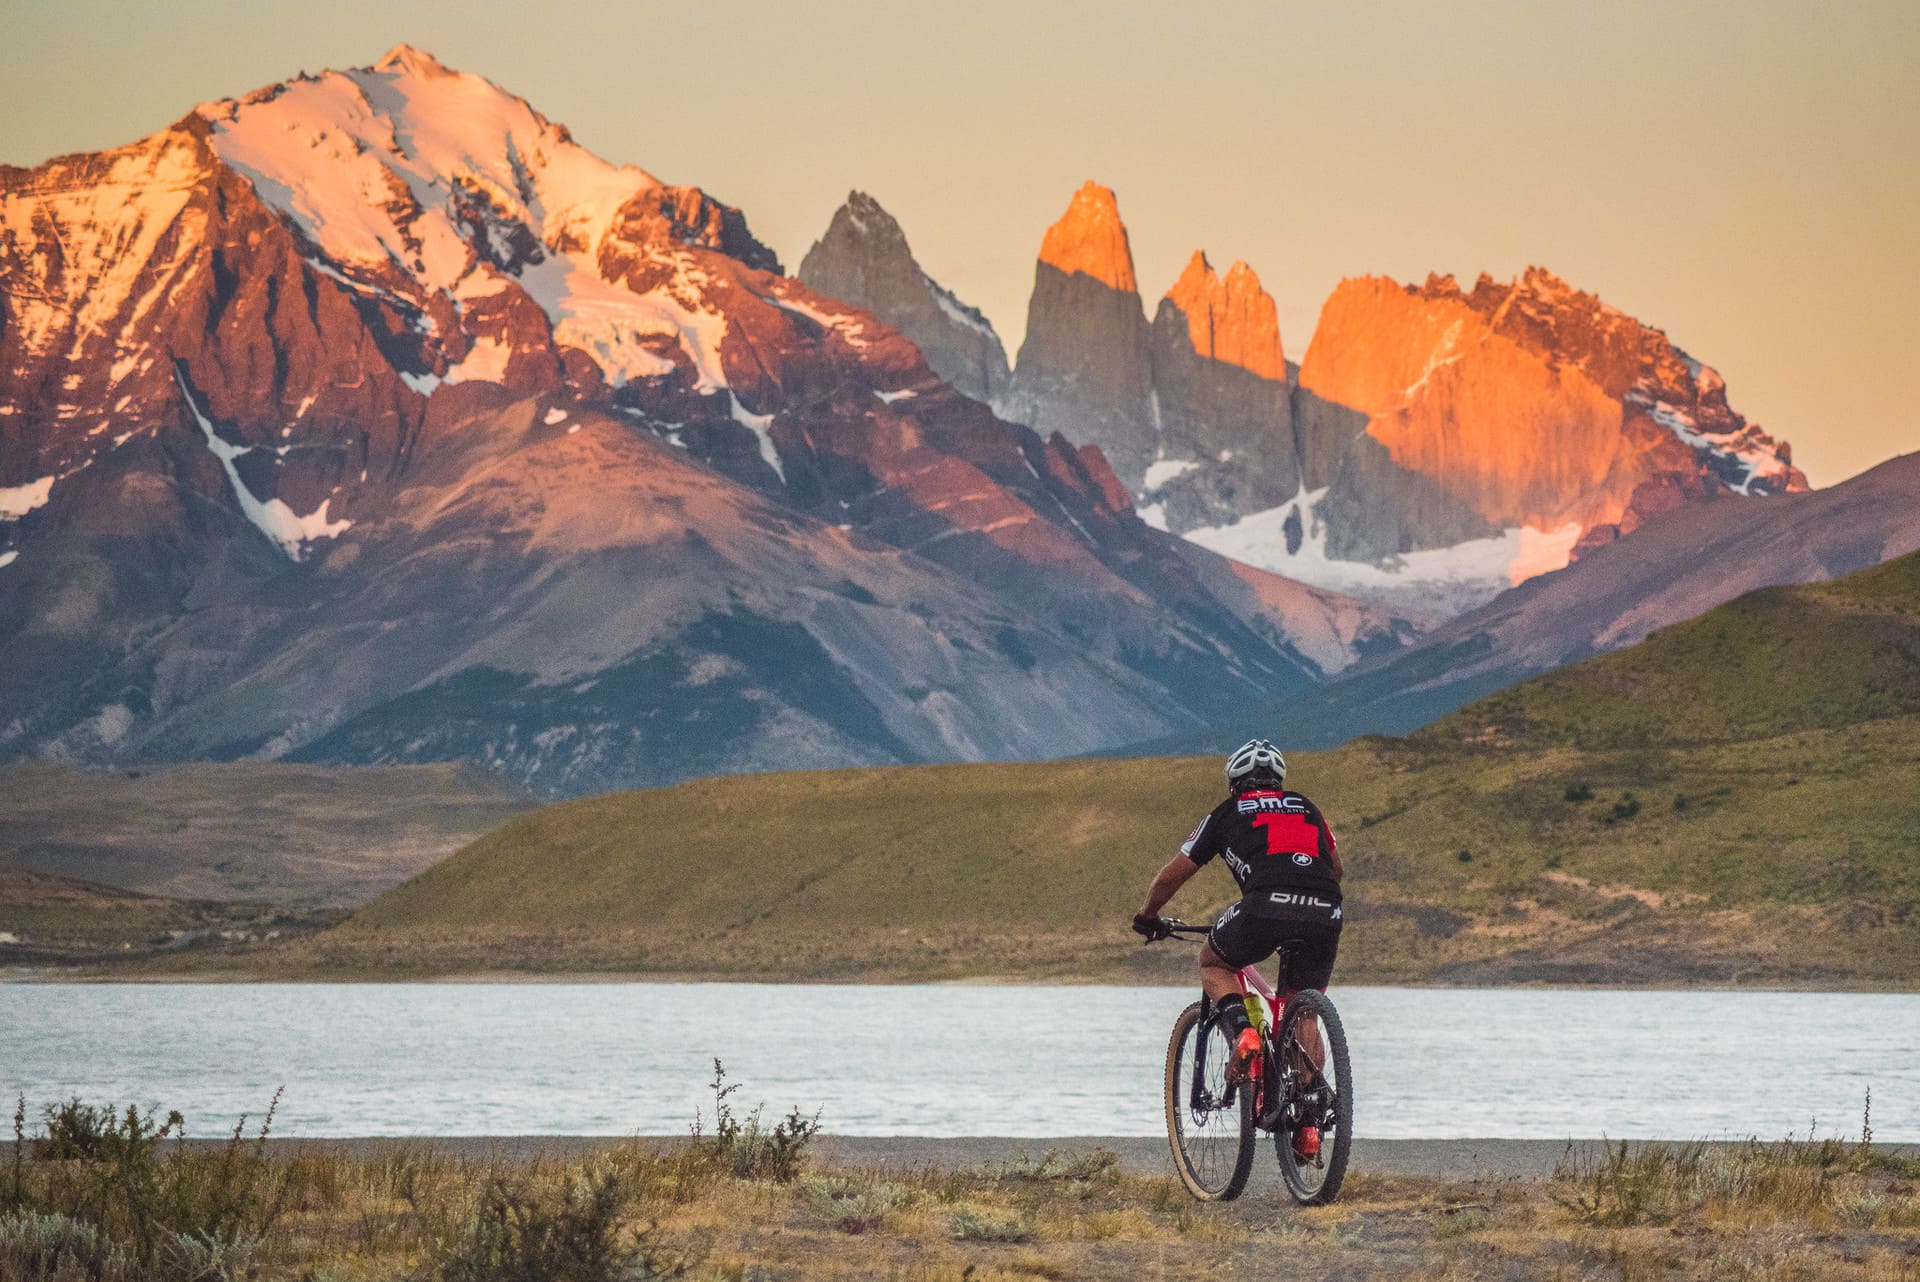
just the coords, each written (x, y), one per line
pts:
(864, 259)
(1436, 446)
(370, 418)
(1084, 367)
(1535, 404)
(1223, 403)
(1193, 410)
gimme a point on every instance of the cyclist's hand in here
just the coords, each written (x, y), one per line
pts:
(1151, 927)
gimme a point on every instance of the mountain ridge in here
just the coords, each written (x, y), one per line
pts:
(400, 428)
(1437, 444)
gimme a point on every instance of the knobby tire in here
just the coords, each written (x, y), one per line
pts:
(1299, 1177)
(1203, 1162)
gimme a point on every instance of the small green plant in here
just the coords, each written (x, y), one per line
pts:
(55, 1248)
(17, 1186)
(854, 1206)
(519, 1232)
(1055, 1165)
(744, 1147)
(1627, 807)
(1461, 1221)
(1466, 856)
(1578, 792)
(970, 1224)
(1680, 803)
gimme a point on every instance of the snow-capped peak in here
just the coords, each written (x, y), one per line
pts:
(412, 60)
(410, 163)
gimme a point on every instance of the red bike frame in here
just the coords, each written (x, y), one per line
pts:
(1252, 982)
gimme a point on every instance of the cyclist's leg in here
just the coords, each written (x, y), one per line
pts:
(1238, 939)
(1310, 965)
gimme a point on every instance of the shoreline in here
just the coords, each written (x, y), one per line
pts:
(38, 975)
(1441, 1160)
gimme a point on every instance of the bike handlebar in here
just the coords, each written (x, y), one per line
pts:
(1182, 928)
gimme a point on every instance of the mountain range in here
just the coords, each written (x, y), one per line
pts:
(1434, 446)
(368, 418)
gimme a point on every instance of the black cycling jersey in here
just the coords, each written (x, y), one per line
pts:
(1277, 844)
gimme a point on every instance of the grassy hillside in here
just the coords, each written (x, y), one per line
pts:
(1772, 662)
(254, 831)
(1733, 801)
(56, 922)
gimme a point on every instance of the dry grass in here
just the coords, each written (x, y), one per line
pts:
(1804, 1211)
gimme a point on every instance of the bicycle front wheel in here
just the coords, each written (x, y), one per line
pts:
(1209, 1126)
(1317, 1110)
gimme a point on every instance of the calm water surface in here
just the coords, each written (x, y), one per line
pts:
(597, 1059)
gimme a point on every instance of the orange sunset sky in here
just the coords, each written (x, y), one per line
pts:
(1744, 175)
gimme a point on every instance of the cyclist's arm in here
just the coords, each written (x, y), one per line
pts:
(1170, 879)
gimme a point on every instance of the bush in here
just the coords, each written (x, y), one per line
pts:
(968, 1224)
(1578, 792)
(54, 1248)
(518, 1233)
(1627, 807)
(743, 1147)
(182, 1217)
(854, 1206)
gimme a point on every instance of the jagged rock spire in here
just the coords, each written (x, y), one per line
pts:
(1232, 319)
(1091, 239)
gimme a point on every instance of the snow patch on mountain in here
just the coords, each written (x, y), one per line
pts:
(1160, 471)
(610, 323)
(958, 311)
(279, 522)
(847, 327)
(1757, 458)
(18, 500)
(377, 164)
(1447, 580)
(759, 425)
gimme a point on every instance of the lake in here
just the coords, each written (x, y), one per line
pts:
(634, 1058)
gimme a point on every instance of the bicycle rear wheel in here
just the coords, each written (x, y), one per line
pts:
(1319, 1094)
(1209, 1127)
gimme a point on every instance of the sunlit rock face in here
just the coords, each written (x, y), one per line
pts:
(864, 259)
(1436, 445)
(368, 417)
(1084, 368)
(1534, 404)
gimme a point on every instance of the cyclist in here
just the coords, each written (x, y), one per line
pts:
(1283, 855)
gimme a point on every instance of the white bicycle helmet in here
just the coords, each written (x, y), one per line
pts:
(1256, 756)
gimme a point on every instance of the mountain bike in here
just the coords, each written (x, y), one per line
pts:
(1300, 1092)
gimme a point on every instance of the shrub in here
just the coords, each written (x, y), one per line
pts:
(518, 1233)
(1578, 792)
(968, 1224)
(55, 1248)
(744, 1147)
(1054, 1165)
(1627, 807)
(182, 1217)
(854, 1206)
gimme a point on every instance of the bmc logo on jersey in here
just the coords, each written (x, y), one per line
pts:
(1302, 858)
(1270, 804)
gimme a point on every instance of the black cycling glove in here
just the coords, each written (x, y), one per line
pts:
(1152, 927)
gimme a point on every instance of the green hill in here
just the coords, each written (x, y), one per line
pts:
(1772, 662)
(1734, 800)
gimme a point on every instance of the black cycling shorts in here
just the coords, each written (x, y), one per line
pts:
(1242, 937)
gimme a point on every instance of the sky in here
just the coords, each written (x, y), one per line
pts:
(1745, 176)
